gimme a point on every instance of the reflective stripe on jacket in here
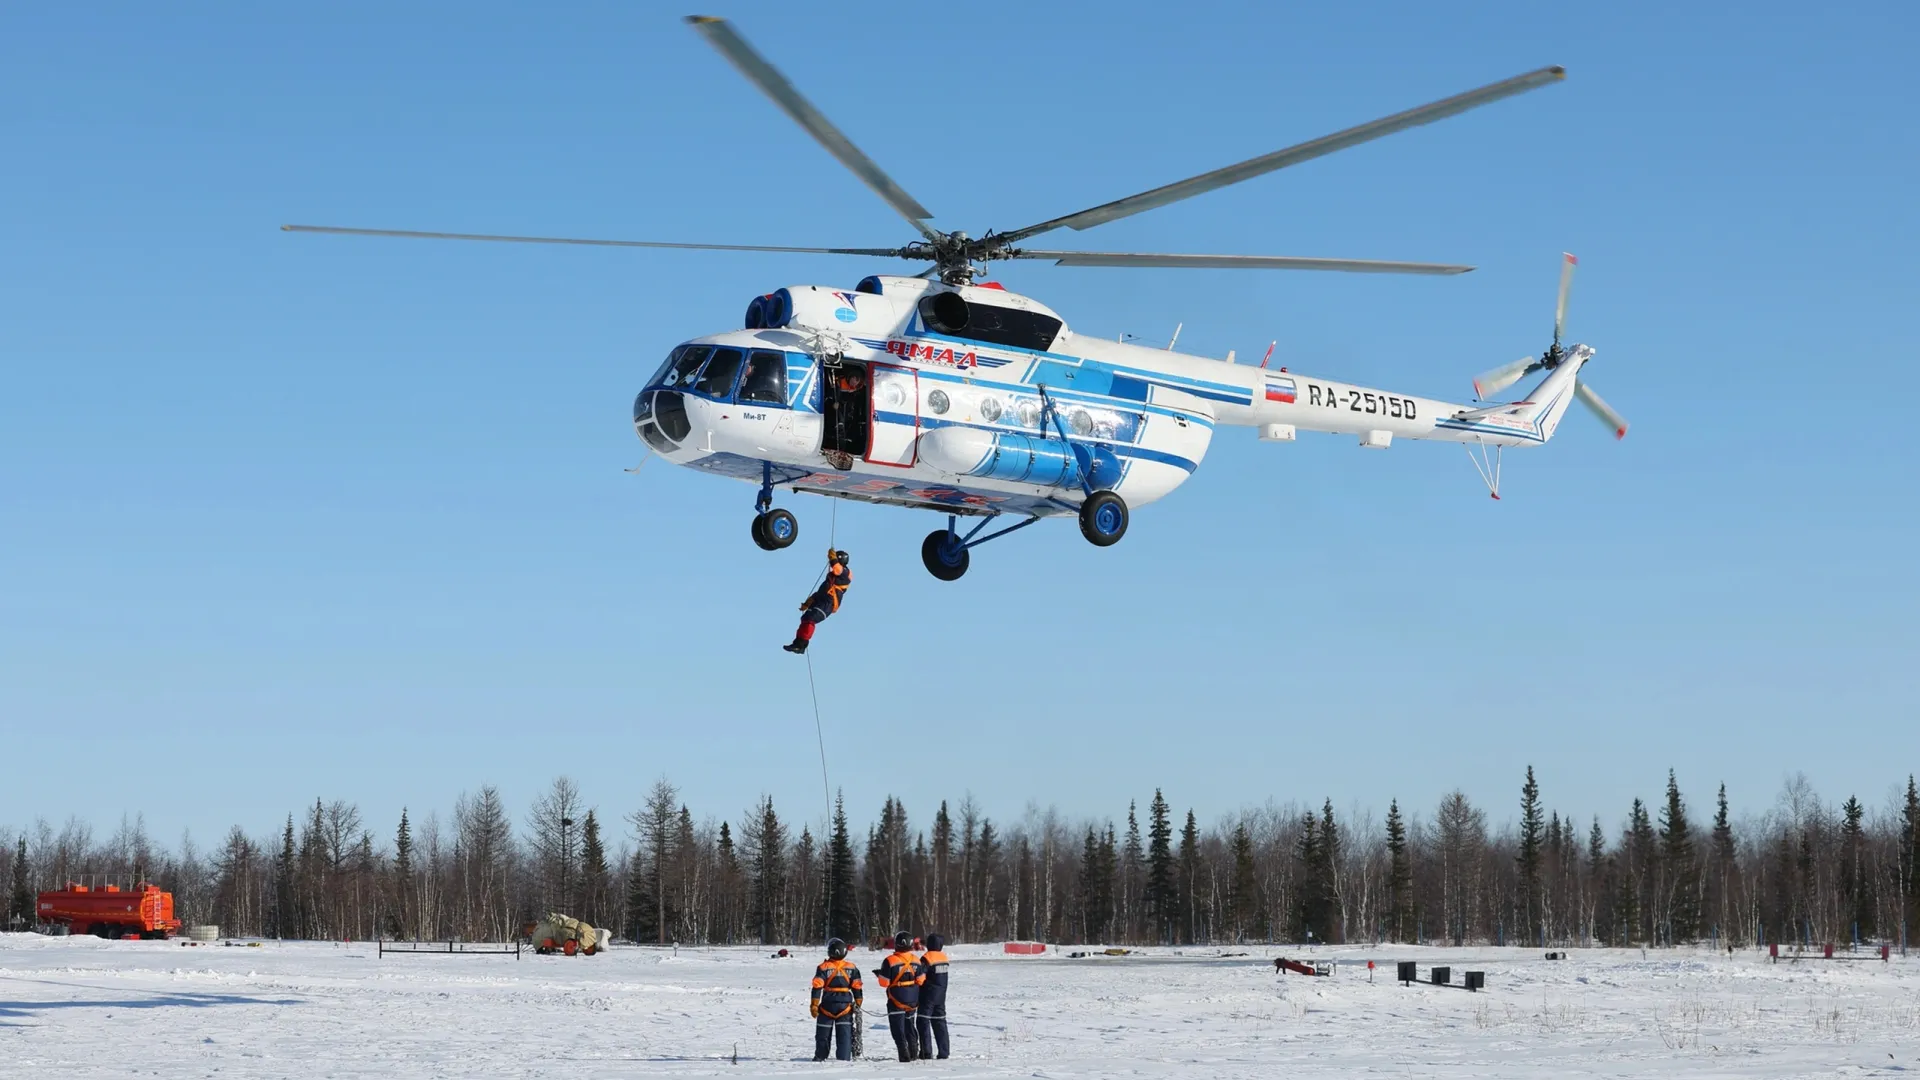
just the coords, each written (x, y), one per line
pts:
(901, 975)
(836, 987)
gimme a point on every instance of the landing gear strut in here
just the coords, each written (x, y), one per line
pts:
(1103, 517)
(945, 551)
(772, 529)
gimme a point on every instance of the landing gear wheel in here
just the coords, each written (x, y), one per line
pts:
(945, 556)
(775, 529)
(1103, 519)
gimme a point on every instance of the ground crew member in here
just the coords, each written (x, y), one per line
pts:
(900, 976)
(836, 995)
(931, 1016)
(824, 601)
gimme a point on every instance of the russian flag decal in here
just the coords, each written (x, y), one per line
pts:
(1280, 390)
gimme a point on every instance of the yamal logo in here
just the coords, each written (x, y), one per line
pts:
(846, 312)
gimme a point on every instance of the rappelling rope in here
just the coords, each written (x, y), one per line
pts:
(826, 791)
(819, 730)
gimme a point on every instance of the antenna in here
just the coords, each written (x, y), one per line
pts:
(1230, 358)
(1269, 356)
(1176, 336)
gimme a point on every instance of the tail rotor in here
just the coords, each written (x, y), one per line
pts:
(1492, 382)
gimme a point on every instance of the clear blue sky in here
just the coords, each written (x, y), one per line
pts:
(285, 516)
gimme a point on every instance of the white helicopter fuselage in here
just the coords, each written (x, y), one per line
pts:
(974, 400)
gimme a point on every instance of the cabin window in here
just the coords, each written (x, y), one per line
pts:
(717, 380)
(766, 379)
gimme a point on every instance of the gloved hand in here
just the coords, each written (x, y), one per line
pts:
(813, 1009)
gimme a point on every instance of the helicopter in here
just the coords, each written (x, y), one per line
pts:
(944, 391)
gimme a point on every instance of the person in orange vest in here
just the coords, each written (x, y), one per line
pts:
(824, 601)
(931, 1016)
(836, 996)
(900, 976)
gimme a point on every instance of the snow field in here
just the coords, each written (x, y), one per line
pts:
(79, 1007)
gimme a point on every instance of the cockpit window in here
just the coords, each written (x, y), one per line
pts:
(766, 378)
(686, 363)
(665, 366)
(717, 380)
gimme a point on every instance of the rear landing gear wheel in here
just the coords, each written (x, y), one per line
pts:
(946, 557)
(1103, 519)
(774, 530)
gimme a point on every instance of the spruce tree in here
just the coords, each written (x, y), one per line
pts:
(1332, 929)
(723, 928)
(1529, 856)
(1160, 893)
(1854, 905)
(1596, 863)
(594, 883)
(1399, 877)
(20, 904)
(939, 885)
(1678, 869)
(1716, 899)
(402, 875)
(1308, 910)
(1909, 862)
(841, 906)
(1132, 859)
(767, 872)
(1243, 892)
(1194, 915)
(283, 887)
(1637, 859)
(1096, 888)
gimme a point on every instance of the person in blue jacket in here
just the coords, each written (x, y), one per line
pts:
(931, 1016)
(900, 976)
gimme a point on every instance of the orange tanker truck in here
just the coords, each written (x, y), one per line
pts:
(145, 912)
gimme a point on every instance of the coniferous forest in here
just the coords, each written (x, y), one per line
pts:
(1670, 870)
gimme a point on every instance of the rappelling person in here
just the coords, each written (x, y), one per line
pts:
(836, 997)
(931, 1016)
(824, 601)
(900, 975)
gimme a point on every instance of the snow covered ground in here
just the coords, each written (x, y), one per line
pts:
(78, 1007)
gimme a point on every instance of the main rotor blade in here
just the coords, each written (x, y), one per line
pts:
(721, 35)
(1292, 155)
(1601, 409)
(1488, 383)
(1567, 263)
(1232, 262)
(414, 234)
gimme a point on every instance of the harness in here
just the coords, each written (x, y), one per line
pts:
(905, 969)
(836, 977)
(836, 590)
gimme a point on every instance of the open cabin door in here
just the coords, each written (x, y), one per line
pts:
(894, 424)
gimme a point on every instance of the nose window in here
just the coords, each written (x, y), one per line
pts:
(717, 380)
(766, 378)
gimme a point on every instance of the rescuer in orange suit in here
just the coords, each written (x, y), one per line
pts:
(836, 996)
(824, 601)
(931, 1016)
(850, 380)
(901, 976)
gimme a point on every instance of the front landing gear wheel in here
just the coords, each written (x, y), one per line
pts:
(774, 530)
(1103, 519)
(946, 557)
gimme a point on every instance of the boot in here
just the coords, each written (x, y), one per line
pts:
(797, 646)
